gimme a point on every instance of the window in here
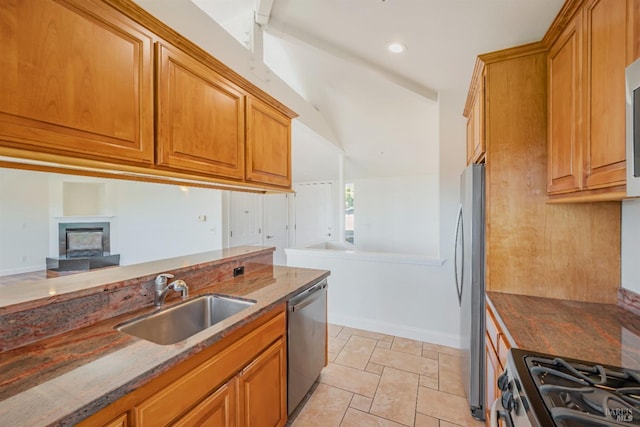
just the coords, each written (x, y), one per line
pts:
(348, 213)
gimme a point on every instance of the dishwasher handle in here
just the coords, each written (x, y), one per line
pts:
(307, 297)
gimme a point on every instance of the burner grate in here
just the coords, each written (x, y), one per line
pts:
(577, 394)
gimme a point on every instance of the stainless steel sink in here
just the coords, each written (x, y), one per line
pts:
(177, 323)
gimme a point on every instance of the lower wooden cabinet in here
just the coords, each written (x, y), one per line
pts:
(263, 396)
(239, 381)
(217, 410)
(496, 348)
(492, 371)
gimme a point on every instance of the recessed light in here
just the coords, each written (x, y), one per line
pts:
(396, 47)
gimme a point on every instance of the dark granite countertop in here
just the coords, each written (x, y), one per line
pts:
(600, 333)
(63, 379)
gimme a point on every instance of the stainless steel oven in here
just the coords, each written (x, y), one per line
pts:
(545, 390)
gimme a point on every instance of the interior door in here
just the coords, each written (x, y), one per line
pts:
(276, 225)
(313, 208)
(245, 217)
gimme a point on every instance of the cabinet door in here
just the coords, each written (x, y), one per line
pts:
(263, 389)
(605, 139)
(470, 137)
(217, 410)
(200, 117)
(76, 79)
(475, 128)
(564, 127)
(268, 145)
(493, 370)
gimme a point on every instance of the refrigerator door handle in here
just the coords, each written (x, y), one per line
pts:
(459, 237)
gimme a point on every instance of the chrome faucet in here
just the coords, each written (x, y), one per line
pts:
(162, 289)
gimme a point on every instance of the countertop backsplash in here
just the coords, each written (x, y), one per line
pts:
(32, 321)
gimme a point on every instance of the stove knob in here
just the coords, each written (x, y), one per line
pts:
(503, 382)
(508, 402)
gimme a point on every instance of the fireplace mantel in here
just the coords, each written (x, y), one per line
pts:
(84, 243)
(80, 218)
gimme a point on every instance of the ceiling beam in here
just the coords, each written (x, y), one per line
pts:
(263, 12)
(300, 37)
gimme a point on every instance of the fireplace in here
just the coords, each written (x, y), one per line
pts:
(82, 246)
(84, 239)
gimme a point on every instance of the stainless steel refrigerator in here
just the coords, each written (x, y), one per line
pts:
(469, 261)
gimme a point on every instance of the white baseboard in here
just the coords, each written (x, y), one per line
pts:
(20, 270)
(430, 336)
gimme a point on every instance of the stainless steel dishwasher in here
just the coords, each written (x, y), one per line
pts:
(307, 335)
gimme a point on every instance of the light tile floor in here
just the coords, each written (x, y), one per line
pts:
(379, 380)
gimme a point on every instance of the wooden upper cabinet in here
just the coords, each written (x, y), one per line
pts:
(474, 112)
(564, 102)
(268, 144)
(634, 32)
(200, 117)
(76, 78)
(606, 35)
(587, 156)
(475, 127)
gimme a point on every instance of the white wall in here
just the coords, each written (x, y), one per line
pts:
(392, 294)
(397, 214)
(24, 221)
(189, 20)
(630, 240)
(158, 221)
(148, 221)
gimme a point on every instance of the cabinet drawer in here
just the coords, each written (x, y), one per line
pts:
(166, 405)
(217, 410)
(121, 421)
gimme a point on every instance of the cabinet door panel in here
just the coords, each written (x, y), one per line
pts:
(470, 138)
(199, 382)
(606, 29)
(492, 371)
(564, 145)
(200, 117)
(217, 410)
(76, 77)
(263, 399)
(268, 145)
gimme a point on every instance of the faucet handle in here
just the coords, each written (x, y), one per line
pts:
(161, 279)
(181, 286)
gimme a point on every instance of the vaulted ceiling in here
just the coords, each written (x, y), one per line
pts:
(382, 107)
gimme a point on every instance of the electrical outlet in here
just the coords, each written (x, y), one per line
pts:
(238, 271)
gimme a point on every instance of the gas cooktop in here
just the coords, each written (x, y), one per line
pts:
(552, 390)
